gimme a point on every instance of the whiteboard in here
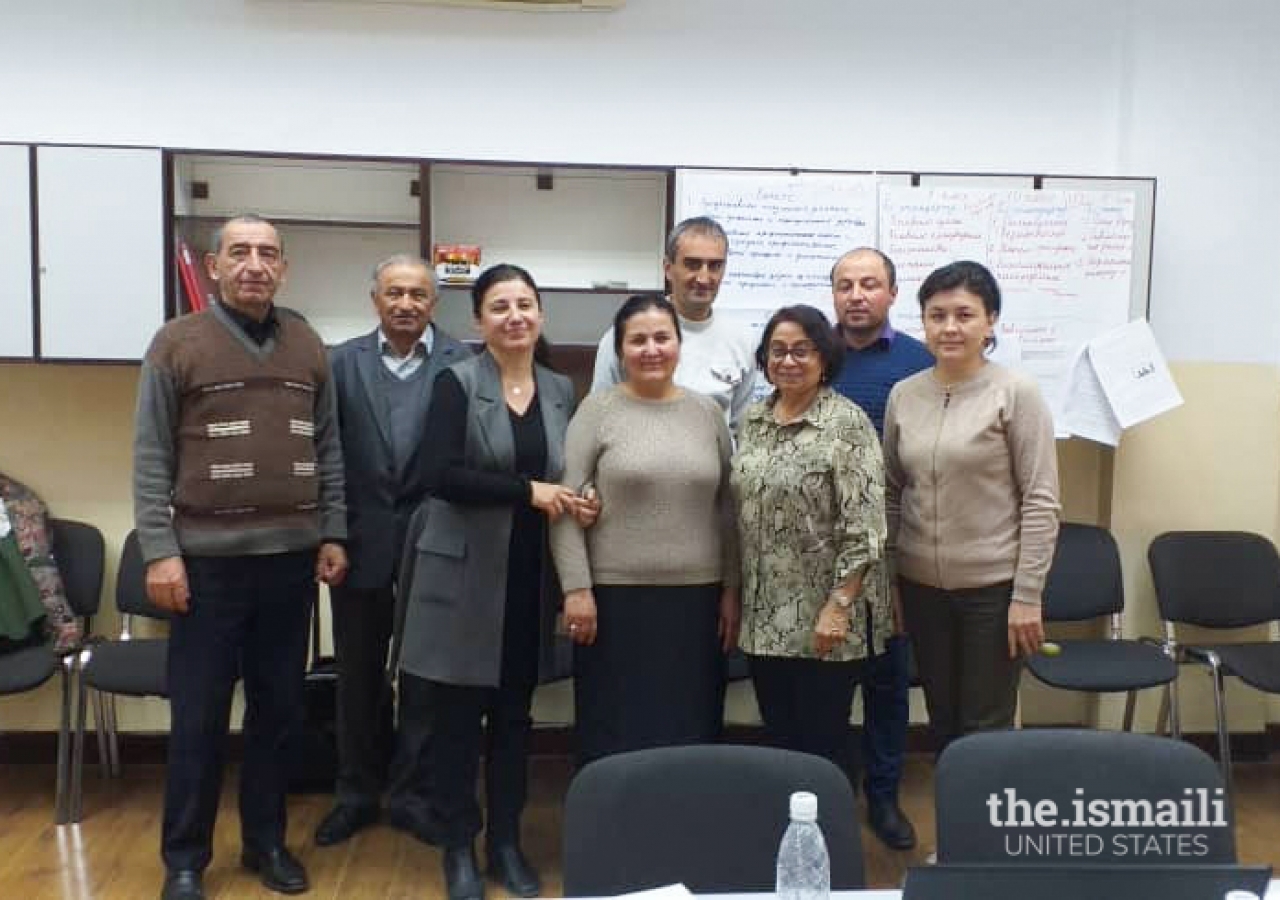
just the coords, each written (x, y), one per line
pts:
(785, 231)
(1072, 259)
(1063, 259)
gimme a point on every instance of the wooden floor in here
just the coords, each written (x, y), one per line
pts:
(113, 853)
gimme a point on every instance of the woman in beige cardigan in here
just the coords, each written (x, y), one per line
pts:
(972, 503)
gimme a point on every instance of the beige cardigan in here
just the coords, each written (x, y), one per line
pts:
(971, 481)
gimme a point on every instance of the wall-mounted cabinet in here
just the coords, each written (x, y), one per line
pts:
(101, 251)
(17, 309)
(336, 218)
(589, 235)
(82, 239)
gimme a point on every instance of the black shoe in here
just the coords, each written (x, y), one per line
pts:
(461, 874)
(404, 820)
(891, 825)
(342, 822)
(509, 867)
(280, 871)
(182, 884)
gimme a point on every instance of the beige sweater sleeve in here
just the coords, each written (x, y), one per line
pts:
(730, 554)
(1034, 455)
(568, 542)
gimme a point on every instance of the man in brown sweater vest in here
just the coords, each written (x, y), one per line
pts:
(239, 507)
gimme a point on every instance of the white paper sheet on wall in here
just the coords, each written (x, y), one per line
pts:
(1133, 373)
(785, 232)
(1117, 380)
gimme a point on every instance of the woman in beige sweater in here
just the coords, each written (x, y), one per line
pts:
(972, 505)
(651, 589)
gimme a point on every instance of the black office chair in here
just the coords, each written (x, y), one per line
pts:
(78, 552)
(1084, 583)
(710, 817)
(1075, 768)
(135, 667)
(1220, 579)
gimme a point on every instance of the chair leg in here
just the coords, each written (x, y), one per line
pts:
(77, 761)
(113, 733)
(61, 802)
(100, 731)
(1175, 711)
(1224, 737)
(1130, 701)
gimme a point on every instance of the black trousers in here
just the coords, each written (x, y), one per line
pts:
(454, 725)
(362, 622)
(961, 642)
(248, 618)
(805, 705)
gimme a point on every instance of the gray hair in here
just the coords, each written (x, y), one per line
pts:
(404, 259)
(699, 225)
(242, 219)
(889, 268)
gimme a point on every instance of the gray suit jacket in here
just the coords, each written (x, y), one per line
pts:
(454, 577)
(380, 499)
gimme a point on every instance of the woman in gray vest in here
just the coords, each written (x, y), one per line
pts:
(479, 609)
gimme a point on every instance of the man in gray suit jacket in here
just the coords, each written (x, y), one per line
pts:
(383, 383)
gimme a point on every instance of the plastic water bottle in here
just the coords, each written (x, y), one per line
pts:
(804, 869)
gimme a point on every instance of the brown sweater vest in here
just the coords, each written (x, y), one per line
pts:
(246, 435)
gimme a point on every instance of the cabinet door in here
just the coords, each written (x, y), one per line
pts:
(101, 238)
(17, 334)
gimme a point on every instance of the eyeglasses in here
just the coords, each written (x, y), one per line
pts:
(800, 352)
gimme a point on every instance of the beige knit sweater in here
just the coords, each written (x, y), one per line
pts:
(971, 481)
(662, 471)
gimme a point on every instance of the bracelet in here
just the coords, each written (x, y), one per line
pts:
(842, 599)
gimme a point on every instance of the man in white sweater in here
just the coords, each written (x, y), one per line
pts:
(717, 356)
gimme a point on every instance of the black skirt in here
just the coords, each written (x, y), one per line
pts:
(654, 677)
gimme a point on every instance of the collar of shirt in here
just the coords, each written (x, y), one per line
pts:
(258, 332)
(884, 339)
(404, 366)
(817, 415)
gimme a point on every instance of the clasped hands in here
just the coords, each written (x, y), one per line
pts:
(556, 500)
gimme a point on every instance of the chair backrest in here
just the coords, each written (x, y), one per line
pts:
(710, 817)
(1215, 579)
(131, 583)
(1084, 581)
(79, 551)
(1116, 797)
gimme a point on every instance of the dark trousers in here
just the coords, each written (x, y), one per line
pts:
(961, 641)
(805, 705)
(362, 621)
(248, 618)
(886, 686)
(456, 724)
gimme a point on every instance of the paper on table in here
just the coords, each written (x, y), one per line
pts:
(1133, 373)
(669, 892)
(1085, 410)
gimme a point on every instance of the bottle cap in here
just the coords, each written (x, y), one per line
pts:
(804, 807)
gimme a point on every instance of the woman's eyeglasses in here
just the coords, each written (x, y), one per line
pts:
(800, 352)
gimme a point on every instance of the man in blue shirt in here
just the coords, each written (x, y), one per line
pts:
(863, 288)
